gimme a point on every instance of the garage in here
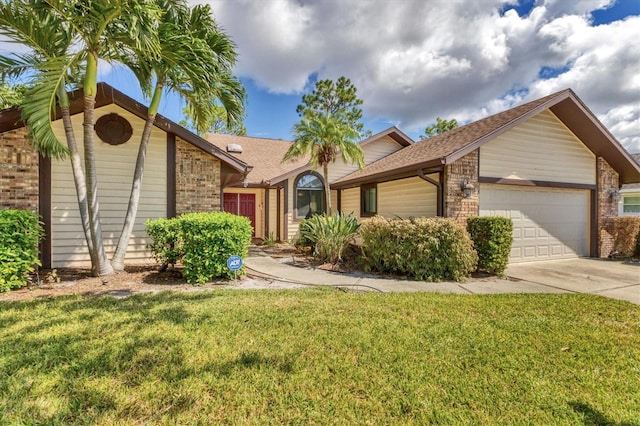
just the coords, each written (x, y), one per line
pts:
(548, 223)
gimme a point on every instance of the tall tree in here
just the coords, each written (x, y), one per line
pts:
(196, 61)
(439, 127)
(217, 122)
(68, 39)
(330, 125)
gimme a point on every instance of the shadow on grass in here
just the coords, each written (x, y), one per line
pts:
(593, 417)
(253, 360)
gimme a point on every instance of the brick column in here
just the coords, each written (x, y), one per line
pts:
(197, 180)
(608, 180)
(18, 171)
(455, 174)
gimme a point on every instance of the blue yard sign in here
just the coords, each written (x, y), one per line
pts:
(234, 263)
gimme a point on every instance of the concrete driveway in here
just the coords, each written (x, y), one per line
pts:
(618, 280)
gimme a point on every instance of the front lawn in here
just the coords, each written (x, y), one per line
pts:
(320, 357)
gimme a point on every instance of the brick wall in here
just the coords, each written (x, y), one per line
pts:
(456, 206)
(18, 171)
(607, 182)
(197, 180)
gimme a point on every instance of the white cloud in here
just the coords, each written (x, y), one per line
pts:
(415, 60)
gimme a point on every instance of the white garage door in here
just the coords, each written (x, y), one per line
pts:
(547, 223)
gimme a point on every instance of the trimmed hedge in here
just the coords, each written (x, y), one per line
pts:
(202, 242)
(166, 247)
(431, 249)
(625, 231)
(20, 234)
(492, 238)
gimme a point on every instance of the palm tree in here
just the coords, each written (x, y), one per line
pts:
(68, 38)
(196, 61)
(323, 137)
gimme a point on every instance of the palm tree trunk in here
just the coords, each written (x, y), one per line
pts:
(136, 186)
(327, 189)
(78, 175)
(134, 198)
(101, 266)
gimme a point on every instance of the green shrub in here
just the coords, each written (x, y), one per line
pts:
(329, 235)
(201, 241)
(431, 249)
(492, 238)
(166, 247)
(625, 231)
(20, 233)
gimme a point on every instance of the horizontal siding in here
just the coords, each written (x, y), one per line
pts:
(115, 166)
(412, 197)
(351, 201)
(373, 151)
(541, 148)
(293, 224)
(273, 213)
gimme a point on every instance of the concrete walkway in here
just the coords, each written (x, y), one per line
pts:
(610, 279)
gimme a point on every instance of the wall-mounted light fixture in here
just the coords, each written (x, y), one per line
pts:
(614, 196)
(467, 189)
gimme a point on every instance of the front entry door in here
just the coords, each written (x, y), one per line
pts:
(242, 205)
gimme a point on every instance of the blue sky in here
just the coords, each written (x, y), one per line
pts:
(414, 60)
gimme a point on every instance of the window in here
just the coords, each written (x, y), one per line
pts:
(309, 195)
(631, 204)
(368, 200)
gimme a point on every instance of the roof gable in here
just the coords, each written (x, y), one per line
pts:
(266, 154)
(106, 95)
(454, 144)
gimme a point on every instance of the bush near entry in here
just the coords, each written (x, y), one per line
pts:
(492, 238)
(431, 249)
(625, 231)
(20, 234)
(202, 242)
(329, 235)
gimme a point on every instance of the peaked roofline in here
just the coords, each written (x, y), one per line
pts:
(569, 109)
(392, 132)
(11, 119)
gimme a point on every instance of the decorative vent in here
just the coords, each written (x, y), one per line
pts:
(113, 129)
(234, 147)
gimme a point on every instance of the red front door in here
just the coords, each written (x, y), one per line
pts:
(243, 205)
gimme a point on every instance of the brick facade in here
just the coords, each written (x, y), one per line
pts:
(455, 174)
(197, 180)
(18, 172)
(607, 182)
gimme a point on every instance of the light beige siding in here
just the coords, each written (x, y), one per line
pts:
(334, 200)
(412, 197)
(115, 166)
(351, 201)
(273, 213)
(293, 223)
(373, 151)
(542, 148)
(259, 206)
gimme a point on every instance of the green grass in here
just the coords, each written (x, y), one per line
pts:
(320, 357)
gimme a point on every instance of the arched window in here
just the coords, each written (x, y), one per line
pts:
(309, 197)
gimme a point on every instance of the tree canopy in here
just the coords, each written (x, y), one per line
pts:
(11, 96)
(330, 125)
(216, 121)
(439, 127)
